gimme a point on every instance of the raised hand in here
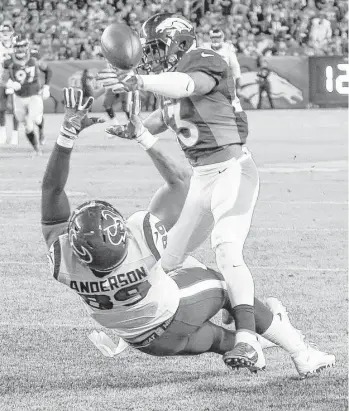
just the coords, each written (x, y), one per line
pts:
(118, 81)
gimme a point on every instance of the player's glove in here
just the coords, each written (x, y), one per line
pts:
(9, 91)
(135, 129)
(118, 82)
(15, 85)
(75, 116)
(45, 92)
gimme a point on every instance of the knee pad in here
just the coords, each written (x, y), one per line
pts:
(229, 255)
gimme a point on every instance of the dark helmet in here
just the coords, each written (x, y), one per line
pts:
(98, 235)
(21, 47)
(165, 38)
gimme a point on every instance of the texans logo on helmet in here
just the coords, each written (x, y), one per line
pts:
(83, 253)
(173, 24)
(116, 231)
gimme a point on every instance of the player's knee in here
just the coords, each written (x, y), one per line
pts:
(229, 255)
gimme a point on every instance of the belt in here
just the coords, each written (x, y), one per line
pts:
(156, 333)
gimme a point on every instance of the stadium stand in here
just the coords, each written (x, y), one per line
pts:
(67, 29)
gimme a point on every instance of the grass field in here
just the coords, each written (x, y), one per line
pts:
(297, 250)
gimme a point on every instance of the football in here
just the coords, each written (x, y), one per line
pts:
(121, 46)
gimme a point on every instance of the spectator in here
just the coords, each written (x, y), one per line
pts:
(320, 32)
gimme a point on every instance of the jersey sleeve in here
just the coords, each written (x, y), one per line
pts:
(7, 63)
(54, 258)
(205, 61)
(152, 231)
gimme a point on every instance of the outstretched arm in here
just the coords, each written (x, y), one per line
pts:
(55, 208)
(167, 203)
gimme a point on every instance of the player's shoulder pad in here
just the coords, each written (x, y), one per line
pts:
(148, 229)
(204, 60)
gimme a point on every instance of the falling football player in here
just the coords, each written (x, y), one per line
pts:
(23, 69)
(198, 94)
(113, 263)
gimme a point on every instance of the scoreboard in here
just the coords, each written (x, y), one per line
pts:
(329, 81)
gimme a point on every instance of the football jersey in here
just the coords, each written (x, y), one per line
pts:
(26, 73)
(204, 124)
(5, 54)
(227, 52)
(135, 297)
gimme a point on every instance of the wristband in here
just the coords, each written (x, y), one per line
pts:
(66, 138)
(146, 140)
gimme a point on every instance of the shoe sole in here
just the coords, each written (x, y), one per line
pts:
(316, 371)
(235, 363)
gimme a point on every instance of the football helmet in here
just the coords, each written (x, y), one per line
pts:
(98, 235)
(165, 38)
(217, 39)
(6, 32)
(21, 47)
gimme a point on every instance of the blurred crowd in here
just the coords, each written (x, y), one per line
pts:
(71, 29)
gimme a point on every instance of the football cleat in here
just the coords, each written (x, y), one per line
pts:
(308, 360)
(311, 361)
(245, 355)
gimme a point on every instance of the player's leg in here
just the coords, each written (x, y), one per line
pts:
(192, 228)
(14, 134)
(306, 358)
(260, 92)
(108, 102)
(3, 105)
(29, 122)
(202, 295)
(20, 110)
(233, 200)
(36, 111)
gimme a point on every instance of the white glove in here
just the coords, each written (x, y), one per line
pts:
(9, 90)
(45, 92)
(14, 85)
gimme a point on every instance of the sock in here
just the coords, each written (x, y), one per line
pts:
(2, 118)
(41, 126)
(264, 317)
(285, 335)
(15, 123)
(110, 112)
(244, 318)
(31, 138)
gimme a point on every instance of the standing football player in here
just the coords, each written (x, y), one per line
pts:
(227, 51)
(23, 71)
(198, 91)
(111, 263)
(6, 50)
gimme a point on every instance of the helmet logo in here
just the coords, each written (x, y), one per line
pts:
(116, 230)
(81, 251)
(173, 24)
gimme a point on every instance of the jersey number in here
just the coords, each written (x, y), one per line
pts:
(186, 131)
(104, 302)
(161, 231)
(24, 74)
